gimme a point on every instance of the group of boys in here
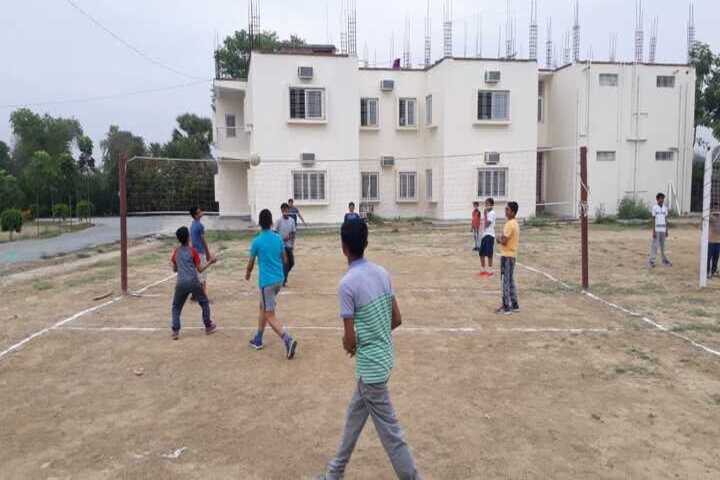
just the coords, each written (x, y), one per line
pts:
(483, 228)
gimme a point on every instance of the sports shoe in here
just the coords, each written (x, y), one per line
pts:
(651, 265)
(667, 263)
(256, 343)
(482, 274)
(290, 347)
(176, 334)
(211, 329)
(489, 274)
(516, 308)
(503, 311)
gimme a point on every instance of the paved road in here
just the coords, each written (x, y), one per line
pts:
(106, 230)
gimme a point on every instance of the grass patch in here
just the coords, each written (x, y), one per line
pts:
(82, 255)
(228, 235)
(42, 285)
(640, 355)
(697, 327)
(698, 312)
(633, 370)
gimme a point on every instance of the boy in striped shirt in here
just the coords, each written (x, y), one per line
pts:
(370, 313)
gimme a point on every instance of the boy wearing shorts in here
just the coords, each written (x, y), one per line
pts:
(186, 262)
(370, 313)
(286, 228)
(509, 241)
(487, 243)
(268, 250)
(476, 222)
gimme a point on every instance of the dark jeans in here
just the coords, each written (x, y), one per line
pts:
(713, 257)
(181, 293)
(509, 290)
(290, 262)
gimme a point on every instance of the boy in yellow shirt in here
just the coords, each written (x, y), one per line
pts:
(509, 241)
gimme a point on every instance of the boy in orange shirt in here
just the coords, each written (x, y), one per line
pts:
(509, 241)
(476, 221)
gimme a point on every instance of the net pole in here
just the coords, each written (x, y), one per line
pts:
(122, 178)
(584, 218)
(705, 236)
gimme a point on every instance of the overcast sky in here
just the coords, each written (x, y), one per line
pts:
(50, 52)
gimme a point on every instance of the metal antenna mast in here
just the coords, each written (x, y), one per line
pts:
(549, 45)
(576, 32)
(428, 36)
(653, 39)
(566, 49)
(253, 22)
(352, 28)
(447, 29)
(365, 59)
(478, 37)
(508, 32)
(613, 47)
(406, 44)
(343, 27)
(499, 53)
(691, 32)
(639, 32)
(532, 53)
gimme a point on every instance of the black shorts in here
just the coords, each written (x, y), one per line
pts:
(487, 246)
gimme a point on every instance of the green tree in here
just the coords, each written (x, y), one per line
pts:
(84, 210)
(40, 177)
(11, 195)
(232, 59)
(11, 221)
(116, 143)
(61, 211)
(5, 159)
(707, 88)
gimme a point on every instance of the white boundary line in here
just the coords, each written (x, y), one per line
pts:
(65, 321)
(622, 309)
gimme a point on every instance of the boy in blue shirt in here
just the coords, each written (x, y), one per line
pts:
(197, 237)
(351, 215)
(269, 250)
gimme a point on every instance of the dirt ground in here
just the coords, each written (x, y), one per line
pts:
(568, 388)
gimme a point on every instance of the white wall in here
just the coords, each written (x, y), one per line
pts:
(231, 188)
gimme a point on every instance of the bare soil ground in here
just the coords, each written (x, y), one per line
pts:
(568, 388)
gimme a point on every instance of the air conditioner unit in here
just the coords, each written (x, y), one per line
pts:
(387, 161)
(307, 159)
(492, 158)
(305, 73)
(387, 85)
(492, 76)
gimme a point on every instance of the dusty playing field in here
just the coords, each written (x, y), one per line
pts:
(568, 388)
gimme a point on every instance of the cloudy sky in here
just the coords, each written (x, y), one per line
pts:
(57, 61)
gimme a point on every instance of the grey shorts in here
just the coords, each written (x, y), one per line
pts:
(268, 297)
(203, 261)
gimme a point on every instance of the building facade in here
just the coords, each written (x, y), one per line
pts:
(313, 126)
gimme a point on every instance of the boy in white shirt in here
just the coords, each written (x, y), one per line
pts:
(488, 238)
(660, 231)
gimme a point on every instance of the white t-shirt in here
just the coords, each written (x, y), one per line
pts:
(660, 214)
(490, 229)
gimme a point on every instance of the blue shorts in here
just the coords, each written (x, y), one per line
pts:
(268, 297)
(487, 246)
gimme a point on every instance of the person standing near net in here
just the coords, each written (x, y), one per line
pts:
(294, 212)
(351, 215)
(186, 262)
(370, 313)
(509, 242)
(197, 235)
(268, 249)
(487, 243)
(714, 244)
(285, 227)
(660, 231)
(475, 223)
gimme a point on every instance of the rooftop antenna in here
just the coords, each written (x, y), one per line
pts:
(428, 36)
(499, 54)
(365, 59)
(613, 47)
(566, 49)
(508, 32)
(639, 32)
(374, 57)
(447, 29)
(465, 39)
(576, 31)
(327, 23)
(532, 53)
(653, 39)
(392, 48)
(352, 28)
(691, 32)
(478, 37)
(406, 44)
(343, 27)
(549, 45)
(253, 22)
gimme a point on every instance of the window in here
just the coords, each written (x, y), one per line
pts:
(309, 185)
(370, 181)
(368, 112)
(230, 130)
(492, 182)
(428, 110)
(606, 156)
(664, 156)
(665, 81)
(407, 183)
(493, 105)
(429, 184)
(406, 112)
(608, 79)
(307, 103)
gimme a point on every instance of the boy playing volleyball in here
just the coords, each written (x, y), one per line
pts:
(488, 238)
(268, 249)
(509, 241)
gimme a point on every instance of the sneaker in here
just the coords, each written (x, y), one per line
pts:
(211, 329)
(290, 347)
(516, 308)
(651, 265)
(176, 334)
(256, 343)
(482, 274)
(503, 311)
(489, 274)
(667, 263)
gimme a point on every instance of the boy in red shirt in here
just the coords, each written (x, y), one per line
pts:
(476, 222)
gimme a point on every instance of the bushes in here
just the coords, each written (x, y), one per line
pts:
(11, 221)
(601, 216)
(633, 209)
(61, 211)
(85, 210)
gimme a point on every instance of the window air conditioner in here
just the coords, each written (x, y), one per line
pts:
(387, 161)
(305, 73)
(387, 85)
(307, 159)
(492, 76)
(492, 158)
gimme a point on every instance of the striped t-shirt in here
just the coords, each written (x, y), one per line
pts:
(366, 296)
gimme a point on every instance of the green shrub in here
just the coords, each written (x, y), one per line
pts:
(85, 210)
(537, 221)
(601, 217)
(61, 211)
(633, 209)
(11, 221)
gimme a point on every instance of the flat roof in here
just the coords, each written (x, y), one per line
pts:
(461, 59)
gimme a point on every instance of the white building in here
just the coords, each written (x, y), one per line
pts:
(313, 126)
